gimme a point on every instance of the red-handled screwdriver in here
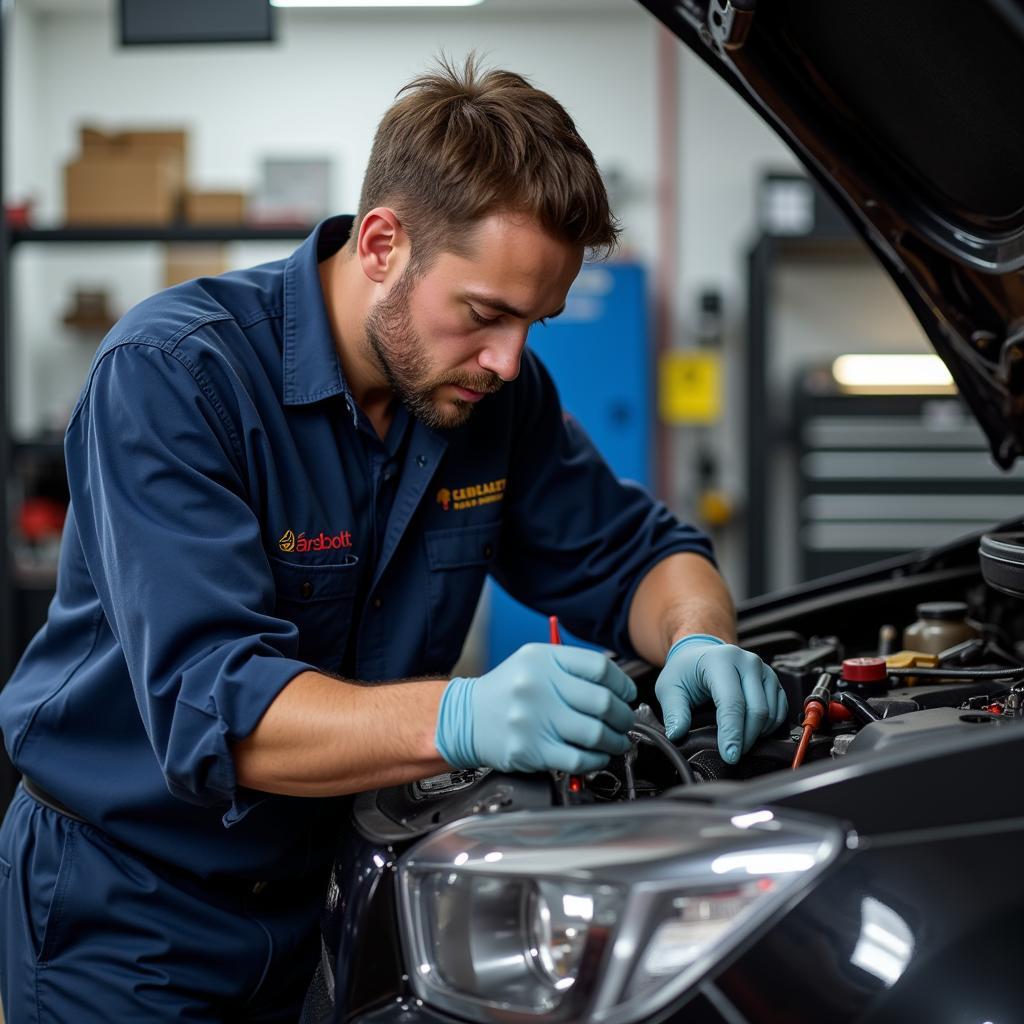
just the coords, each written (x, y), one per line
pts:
(553, 624)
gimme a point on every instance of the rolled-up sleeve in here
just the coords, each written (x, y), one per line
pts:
(577, 541)
(159, 490)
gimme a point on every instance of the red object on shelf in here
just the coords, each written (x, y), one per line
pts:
(19, 215)
(41, 518)
(865, 670)
(553, 624)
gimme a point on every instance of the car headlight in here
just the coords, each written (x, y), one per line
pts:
(604, 914)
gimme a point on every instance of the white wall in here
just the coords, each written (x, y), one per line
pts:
(319, 90)
(724, 149)
(19, 81)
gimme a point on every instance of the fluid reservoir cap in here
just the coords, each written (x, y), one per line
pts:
(943, 611)
(865, 670)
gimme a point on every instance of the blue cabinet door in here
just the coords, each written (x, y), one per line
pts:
(600, 355)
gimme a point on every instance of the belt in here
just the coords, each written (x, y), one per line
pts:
(40, 795)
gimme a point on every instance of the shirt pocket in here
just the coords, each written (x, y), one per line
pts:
(457, 564)
(318, 598)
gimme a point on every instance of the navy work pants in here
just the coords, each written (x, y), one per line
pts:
(92, 933)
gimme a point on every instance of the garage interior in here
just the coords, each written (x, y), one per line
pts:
(736, 276)
(743, 356)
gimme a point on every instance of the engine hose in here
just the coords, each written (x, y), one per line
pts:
(857, 706)
(1010, 672)
(664, 744)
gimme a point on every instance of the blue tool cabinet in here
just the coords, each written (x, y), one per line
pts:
(601, 357)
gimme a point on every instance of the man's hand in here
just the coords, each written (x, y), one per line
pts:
(745, 690)
(546, 706)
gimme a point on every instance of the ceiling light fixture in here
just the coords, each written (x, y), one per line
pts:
(892, 374)
(375, 3)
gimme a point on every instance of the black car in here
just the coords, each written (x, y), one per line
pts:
(879, 880)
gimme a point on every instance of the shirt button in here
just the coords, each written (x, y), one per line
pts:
(377, 602)
(421, 460)
(488, 550)
(307, 589)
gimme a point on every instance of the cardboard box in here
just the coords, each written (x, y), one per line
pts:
(128, 177)
(186, 260)
(171, 143)
(129, 189)
(215, 207)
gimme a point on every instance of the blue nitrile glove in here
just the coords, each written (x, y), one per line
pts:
(745, 690)
(546, 706)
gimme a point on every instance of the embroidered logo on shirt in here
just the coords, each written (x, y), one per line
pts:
(472, 496)
(324, 542)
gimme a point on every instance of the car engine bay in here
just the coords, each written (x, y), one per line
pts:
(912, 672)
(910, 653)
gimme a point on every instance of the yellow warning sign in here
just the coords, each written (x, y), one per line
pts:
(690, 387)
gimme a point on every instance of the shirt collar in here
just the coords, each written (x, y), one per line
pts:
(311, 367)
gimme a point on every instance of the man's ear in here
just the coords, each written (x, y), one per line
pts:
(382, 245)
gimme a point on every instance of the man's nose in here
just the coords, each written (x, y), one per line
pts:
(503, 353)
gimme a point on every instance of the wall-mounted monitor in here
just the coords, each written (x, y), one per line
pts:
(154, 22)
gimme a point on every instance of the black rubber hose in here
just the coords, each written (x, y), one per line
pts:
(664, 744)
(857, 706)
(1010, 672)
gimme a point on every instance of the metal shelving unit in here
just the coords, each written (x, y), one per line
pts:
(14, 587)
(161, 233)
(762, 428)
(921, 508)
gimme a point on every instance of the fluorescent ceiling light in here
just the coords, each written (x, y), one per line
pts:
(375, 3)
(892, 374)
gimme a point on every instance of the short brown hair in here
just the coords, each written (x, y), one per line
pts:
(459, 145)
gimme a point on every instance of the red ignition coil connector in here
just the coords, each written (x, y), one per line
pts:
(815, 712)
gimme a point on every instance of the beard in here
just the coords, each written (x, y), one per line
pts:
(398, 350)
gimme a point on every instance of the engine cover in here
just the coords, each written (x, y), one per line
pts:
(921, 726)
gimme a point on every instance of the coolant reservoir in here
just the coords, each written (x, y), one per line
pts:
(939, 625)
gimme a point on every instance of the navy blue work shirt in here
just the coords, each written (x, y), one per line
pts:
(235, 521)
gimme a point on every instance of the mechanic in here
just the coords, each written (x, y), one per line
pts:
(288, 483)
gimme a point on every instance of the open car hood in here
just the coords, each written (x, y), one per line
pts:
(909, 115)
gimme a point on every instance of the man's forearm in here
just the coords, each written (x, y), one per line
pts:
(325, 737)
(682, 594)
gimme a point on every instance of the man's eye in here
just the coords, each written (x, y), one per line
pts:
(481, 319)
